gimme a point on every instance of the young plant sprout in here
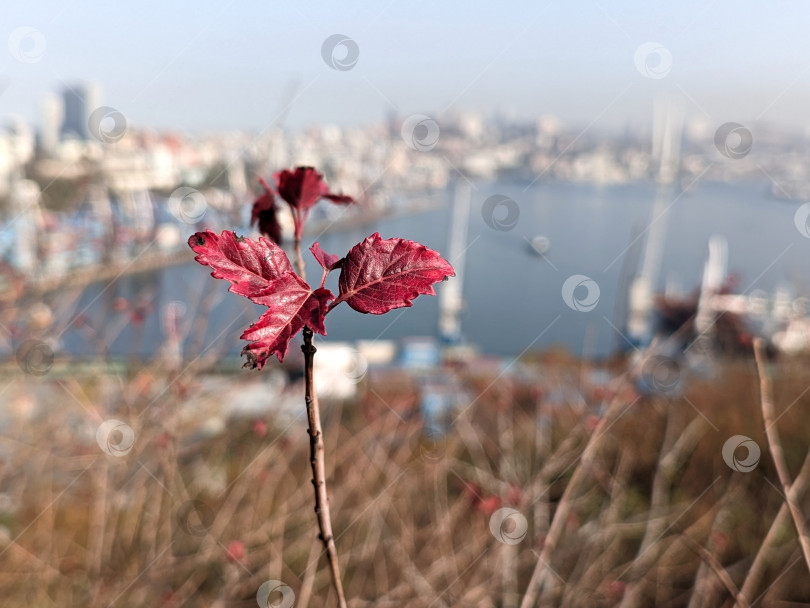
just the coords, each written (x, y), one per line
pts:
(376, 275)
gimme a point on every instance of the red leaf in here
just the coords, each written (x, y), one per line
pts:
(340, 199)
(304, 187)
(291, 304)
(380, 275)
(263, 213)
(260, 270)
(326, 260)
(249, 265)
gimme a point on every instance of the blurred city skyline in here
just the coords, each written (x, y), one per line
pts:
(233, 66)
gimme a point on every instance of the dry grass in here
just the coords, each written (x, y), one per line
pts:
(658, 518)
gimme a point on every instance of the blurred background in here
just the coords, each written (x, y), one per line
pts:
(622, 188)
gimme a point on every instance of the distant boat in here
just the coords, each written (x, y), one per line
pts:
(540, 244)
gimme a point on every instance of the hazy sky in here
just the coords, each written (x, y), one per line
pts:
(223, 64)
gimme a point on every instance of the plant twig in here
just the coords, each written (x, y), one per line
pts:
(564, 506)
(656, 526)
(721, 573)
(777, 452)
(299, 260)
(763, 558)
(316, 459)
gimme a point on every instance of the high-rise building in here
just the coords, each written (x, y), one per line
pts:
(51, 123)
(79, 102)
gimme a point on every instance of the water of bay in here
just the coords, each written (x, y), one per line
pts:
(513, 296)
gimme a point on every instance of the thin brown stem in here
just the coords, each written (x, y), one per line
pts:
(299, 260)
(763, 558)
(778, 453)
(560, 518)
(656, 525)
(721, 573)
(316, 459)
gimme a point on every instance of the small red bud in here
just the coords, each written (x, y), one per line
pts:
(235, 551)
(259, 428)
